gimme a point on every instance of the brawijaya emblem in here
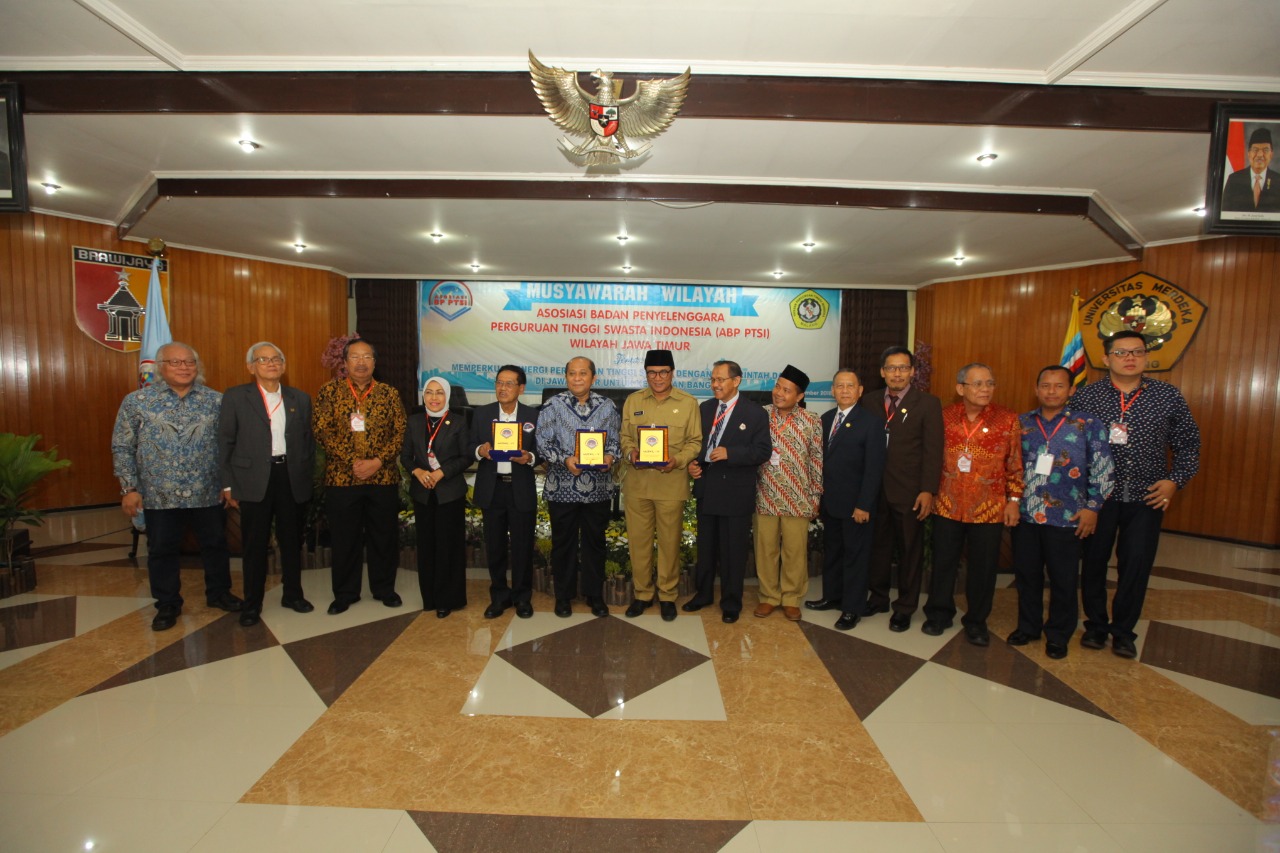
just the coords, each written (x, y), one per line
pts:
(606, 120)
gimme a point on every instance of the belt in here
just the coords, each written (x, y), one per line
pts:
(278, 460)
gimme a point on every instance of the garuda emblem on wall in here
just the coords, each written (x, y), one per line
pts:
(606, 121)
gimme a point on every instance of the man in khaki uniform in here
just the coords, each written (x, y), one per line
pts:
(654, 496)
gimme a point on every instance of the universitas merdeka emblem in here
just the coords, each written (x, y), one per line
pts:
(606, 121)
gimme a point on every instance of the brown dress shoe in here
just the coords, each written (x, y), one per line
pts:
(792, 613)
(763, 610)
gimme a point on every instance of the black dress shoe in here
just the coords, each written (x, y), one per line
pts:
(668, 609)
(249, 618)
(934, 628)
(873, 609)
(493, 611)
(563, 608)
(225, 601)
(524, 610)
(443, 612)
(977, 635)
(298, 605)
(729, 618)
(1094, 639)
(899, 622)
(598, 607)
(846, 621)
(636, 607)
(693, 605)
(1019, 638)
(338, 606)
(166, 617)
(391, 600)
(822, 604)
(1057, 651)
(1124, 647)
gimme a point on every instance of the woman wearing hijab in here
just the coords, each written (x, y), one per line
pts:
(435, 455)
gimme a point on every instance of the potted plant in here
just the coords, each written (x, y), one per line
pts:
(21, 468)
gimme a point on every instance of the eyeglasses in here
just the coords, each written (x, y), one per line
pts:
(179, 362)
(272, 359)
(360, 358)
(896, 368)
(1125, 353)
(981, 383)
(657, 373)
(503, 383)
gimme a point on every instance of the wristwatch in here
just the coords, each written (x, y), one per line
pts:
(126, 490)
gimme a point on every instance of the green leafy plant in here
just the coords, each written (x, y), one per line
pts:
(21, 468)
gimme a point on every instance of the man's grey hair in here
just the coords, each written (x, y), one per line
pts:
(189, 348)
(249, 356)
(962, 376)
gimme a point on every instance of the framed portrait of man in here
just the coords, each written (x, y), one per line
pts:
(13, 152)
(1243, 195)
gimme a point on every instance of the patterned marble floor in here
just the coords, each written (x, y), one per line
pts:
(392, 730)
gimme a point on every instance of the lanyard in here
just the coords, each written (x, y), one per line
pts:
(968, 435)
(1049, 436)
(431, 438)
(360, 398)
(718, 418)
(890, 412)
(270, 411)
(1124, 407)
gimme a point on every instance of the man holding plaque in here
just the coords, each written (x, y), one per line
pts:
(661, 435)
(577, 436)
(724, 482)
(502, 438)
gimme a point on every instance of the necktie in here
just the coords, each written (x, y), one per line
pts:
(1257, 189)
(719, 429)
(835, 425)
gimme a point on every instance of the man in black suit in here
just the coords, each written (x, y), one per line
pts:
(266, 455)
(1255, 188)
(852, 464)
(506, 493)
(912, 422)
(724, 484)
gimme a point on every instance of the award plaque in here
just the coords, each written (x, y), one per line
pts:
(506, 441)
(590, 449)
(653, 446)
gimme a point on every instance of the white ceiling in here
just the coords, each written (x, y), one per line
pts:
(1148, 181)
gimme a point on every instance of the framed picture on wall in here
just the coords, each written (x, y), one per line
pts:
(13, 152)
(1243, 196)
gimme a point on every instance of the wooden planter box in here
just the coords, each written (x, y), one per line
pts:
(17, 578)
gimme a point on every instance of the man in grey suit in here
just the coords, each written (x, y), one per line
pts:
(736, 444)
(912, 422)
(266, 456)
(506, 492)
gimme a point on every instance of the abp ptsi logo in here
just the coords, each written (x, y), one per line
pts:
(449, 299)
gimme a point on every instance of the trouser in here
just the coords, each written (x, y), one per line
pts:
(578, 529)
(949, 538)
(646, 519)
(1039, 549)
(363, 518)
(722, 539)
(164, 538)
(782, 558)
(255, 533)
(508, 542)
(441, 530)
(1134, 530)
(846, 550)
(896, 526)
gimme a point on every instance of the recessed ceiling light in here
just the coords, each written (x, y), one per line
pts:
(248, 146)
(299, 247)
(51, 187)
(987, 159)
(778, 273)
(436, 236)
(622, 238)
(1199, 211)
(626, 267)
(475, 267)
(959, 259)
(808, 245)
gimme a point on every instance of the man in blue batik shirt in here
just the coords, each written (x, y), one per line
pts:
(1156, 446)
(164, 451)
(578, 498)
(1068, 474)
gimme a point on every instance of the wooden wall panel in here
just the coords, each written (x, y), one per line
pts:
(57, 382)
(1230, 375)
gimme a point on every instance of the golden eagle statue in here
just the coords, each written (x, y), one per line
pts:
(606, 120)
